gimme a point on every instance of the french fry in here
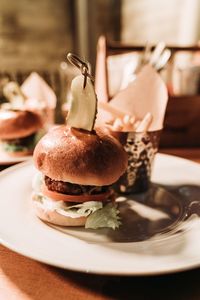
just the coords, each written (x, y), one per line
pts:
(145, 123)
(128, 122)
(136, 124)
(117, 125)
(131, 124)
(126, 119)
(132, 120)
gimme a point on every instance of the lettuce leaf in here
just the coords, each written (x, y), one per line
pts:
(104, 217)
(23, 144)
(37, 182)
(13, 147)
(63, 208)
(86, 207)
(80, 210)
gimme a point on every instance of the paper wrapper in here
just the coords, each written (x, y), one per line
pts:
(146, 94)
(40, 97)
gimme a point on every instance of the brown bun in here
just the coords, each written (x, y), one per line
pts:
(57, 219)
(18, 123)
(80, 157)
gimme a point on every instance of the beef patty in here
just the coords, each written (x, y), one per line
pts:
(72, 188)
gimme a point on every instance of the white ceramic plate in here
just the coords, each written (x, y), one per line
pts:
(6, 159)
(161, 236)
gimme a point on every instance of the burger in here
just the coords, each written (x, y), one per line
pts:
(18, 131)
(76, 170)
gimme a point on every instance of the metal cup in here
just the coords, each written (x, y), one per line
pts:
(141, 149)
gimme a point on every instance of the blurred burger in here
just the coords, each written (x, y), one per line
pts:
(18, 129)
(76, 171)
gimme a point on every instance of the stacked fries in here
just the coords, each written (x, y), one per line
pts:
(123, 122)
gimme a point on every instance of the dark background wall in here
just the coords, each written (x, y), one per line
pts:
(34, 33)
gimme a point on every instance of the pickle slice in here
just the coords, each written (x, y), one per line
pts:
(83, 106)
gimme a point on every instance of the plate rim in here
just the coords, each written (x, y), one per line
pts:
(12, 160)
(191, 266)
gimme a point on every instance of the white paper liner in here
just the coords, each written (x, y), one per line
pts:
(146, 94)
(40, 97)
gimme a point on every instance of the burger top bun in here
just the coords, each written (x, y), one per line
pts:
(81, 157)
(18, 123)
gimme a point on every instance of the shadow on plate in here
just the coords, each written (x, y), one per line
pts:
(160, 212)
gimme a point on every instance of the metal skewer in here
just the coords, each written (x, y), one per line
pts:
(82, 65)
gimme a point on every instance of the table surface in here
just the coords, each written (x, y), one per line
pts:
(22, 278)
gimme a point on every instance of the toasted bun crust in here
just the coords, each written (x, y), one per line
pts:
(54, 218)
(18, 123)
(80, 157)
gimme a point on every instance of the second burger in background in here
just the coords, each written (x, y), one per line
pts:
(18, 131)
(20, 127)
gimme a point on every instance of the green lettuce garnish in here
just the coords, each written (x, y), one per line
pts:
(80, 210)
(24, 144)
(104, 217)
(72, 211)
(37, 182)
(13, 147)
(85, 208)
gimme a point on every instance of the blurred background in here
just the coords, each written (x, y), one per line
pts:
(36, 35)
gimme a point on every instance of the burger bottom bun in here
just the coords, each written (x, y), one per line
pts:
(57, 219)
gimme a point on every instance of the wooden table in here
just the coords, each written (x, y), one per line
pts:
(24, 279)
(190, 153)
